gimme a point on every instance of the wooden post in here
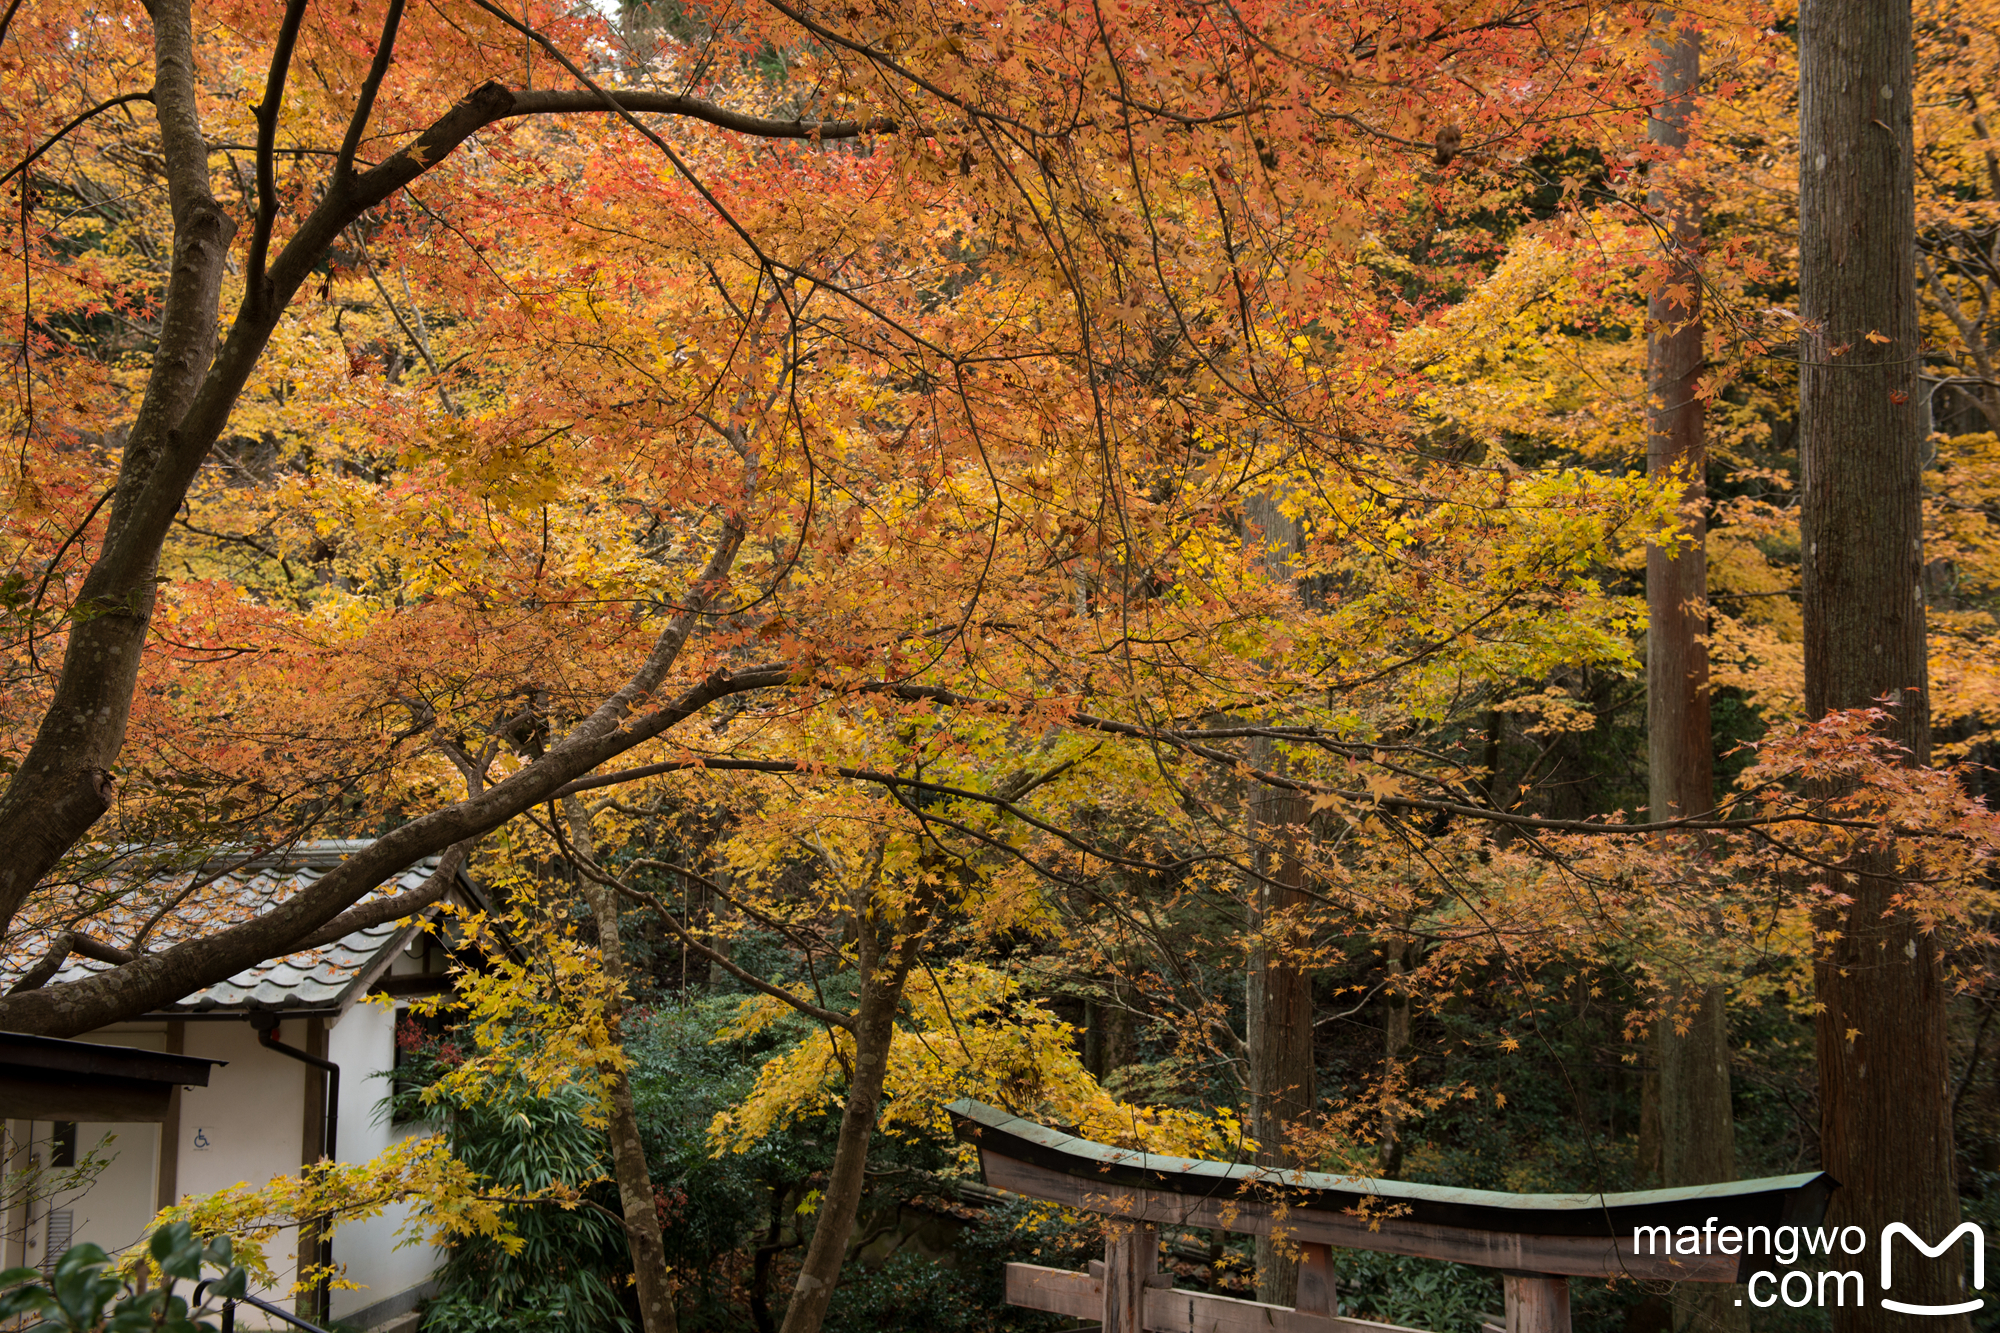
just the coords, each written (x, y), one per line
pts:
(1317, 1294)
(1537, 1304)
(1131, 1257)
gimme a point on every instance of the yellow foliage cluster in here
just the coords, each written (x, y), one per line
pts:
(970, 1032)
(451, 1201)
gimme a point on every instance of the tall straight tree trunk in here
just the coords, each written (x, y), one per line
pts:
(628, 1151)
(1280, 1010)
(1279, 1016)
(1885, 1104)
(885, 961)
(1697, 1135)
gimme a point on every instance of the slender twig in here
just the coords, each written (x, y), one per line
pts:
(891, 780)
(41, 587)
(195, 885)
(596, 872)
(414, 335)
(57, 137)
(27, 354)
(805, 946)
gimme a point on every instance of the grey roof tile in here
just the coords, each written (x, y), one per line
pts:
(310, 978)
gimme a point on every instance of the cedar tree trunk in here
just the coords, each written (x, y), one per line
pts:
(1395, 1045)
(1696, 1127)
(1280, 1016)
(1885, 1105)
(1278, 1009)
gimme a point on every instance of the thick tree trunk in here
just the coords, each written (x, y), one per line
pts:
(1885, 1106)
(1280, 1017)
(1679, 746)
(1109, 1042)
(64, 784)
(1697, 1135)
(1121, 1041)
(884, 972)
(628, 1151)
(1649, 1169)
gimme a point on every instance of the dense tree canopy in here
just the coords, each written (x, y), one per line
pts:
(1122, 522)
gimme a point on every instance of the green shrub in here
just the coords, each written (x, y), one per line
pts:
(1416, 1293)
(85, 1294)
(567, 1271)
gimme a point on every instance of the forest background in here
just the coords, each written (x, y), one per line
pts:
(1193, 570)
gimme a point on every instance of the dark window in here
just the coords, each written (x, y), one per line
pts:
(62, 1144)
(414, 1032)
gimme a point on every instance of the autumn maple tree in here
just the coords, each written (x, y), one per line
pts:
(435, 526)
(712, 369)
(1043, 469)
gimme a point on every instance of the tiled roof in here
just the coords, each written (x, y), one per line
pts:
(222, 891)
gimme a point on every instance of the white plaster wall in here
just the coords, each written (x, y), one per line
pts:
(114, 1211)
(245, 1127)
(363, 1043)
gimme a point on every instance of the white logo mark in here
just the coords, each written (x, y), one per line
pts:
(1895, 1229)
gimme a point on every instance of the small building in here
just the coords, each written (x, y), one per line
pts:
(299, 1052)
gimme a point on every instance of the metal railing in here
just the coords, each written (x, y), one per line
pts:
(229, 1311)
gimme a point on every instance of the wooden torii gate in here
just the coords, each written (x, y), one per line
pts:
(1538, 1241)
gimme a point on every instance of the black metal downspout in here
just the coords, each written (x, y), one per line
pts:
(267, 1035)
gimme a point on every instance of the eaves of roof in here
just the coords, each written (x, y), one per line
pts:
(322, 980)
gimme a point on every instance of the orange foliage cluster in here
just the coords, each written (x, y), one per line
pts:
(1101, 390)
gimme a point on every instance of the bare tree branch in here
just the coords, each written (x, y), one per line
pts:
(67, 943)
(267, 137)
(605, 877)
(364, 104)
(407, 903)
